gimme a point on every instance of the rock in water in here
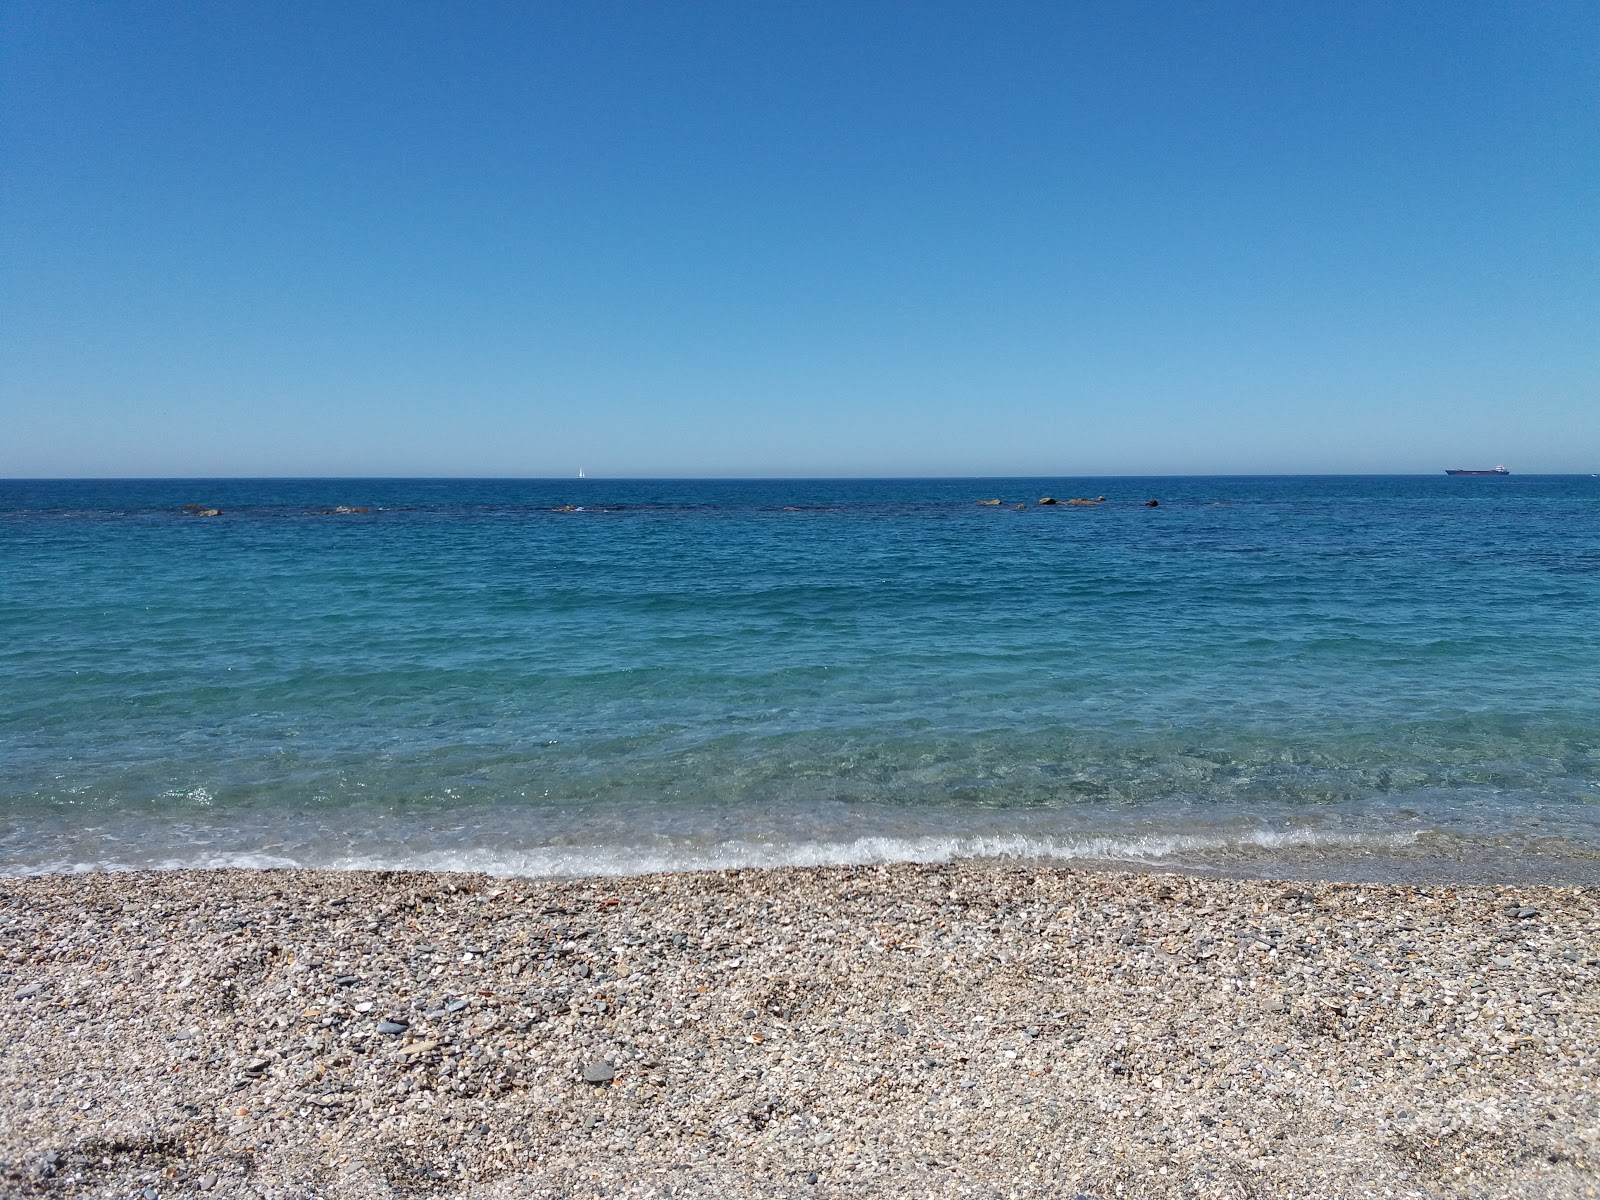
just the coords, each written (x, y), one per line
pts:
(1152, 504)
(599, 1072)
(1048, 500)
(988, 502)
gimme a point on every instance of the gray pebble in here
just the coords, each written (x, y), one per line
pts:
(454, 1006)
(392, 1027)
(207, 1182)
(599, 1072)
(28, 992)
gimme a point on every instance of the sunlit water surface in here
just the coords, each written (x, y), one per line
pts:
(1358, 677)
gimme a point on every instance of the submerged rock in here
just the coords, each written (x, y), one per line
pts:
(988, 502)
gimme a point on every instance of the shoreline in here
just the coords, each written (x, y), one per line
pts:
(973, 1028)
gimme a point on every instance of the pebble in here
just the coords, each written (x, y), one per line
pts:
(974, 1028)
(28, 991)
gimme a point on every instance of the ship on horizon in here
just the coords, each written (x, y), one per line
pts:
(1467, 471)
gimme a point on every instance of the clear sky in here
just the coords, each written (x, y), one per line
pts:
(812, 238)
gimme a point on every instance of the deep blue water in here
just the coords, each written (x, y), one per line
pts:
(1377, 677)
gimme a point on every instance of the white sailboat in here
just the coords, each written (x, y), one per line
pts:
(581, 475)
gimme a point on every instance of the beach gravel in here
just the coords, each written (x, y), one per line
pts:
(976, 1029)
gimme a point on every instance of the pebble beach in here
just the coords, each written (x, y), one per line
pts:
(973, 1029)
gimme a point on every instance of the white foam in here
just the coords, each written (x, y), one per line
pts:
(568, 861)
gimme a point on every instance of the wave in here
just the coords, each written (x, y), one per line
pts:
(579, 861)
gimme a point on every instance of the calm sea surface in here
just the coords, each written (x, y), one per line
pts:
(1358, 677)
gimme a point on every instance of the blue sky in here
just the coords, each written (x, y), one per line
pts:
(798, 239)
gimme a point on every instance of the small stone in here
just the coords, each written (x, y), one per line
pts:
(393, 1027)
(207, 1182)
(811, 1177)
(454, 1006)
(581, 970)
(30, 991)
(150, 1193)
(599, 1072)
(347, 980)
(1527, 914)
(257, 1066)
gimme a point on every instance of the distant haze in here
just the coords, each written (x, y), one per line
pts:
(798, 239)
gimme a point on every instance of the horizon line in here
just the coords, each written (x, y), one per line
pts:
(756, 478)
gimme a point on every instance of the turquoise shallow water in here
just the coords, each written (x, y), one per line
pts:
(1369, 677)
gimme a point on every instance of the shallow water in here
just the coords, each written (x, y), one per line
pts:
(1371, 677)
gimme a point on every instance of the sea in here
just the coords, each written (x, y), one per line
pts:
(1366, 678)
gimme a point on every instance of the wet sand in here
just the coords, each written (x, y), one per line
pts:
(974, 1029)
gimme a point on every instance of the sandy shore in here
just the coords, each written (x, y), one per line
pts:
(976, 1029)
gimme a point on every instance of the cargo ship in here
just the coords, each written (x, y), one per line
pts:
(1464, 471)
